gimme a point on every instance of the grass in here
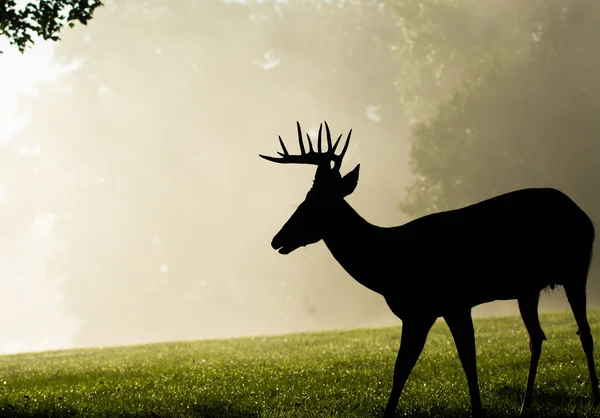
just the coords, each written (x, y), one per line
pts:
(325, 374)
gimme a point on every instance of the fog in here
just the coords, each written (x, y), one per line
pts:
(135, 206)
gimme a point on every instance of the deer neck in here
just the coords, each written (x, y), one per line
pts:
(354, 243)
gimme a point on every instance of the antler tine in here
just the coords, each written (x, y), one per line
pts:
(285, 151)
(337, 141)
(337, 159)
(328, 137)
(310, 146)
(302, 150)
(341, 156)
(272, 159)
(319, 138)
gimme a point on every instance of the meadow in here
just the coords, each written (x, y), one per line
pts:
(324, 374)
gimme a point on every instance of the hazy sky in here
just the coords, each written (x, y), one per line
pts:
(255, 290)
(32, 316)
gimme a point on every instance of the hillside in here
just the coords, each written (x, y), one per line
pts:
(341, 373)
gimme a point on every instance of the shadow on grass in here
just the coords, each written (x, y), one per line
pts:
(9, 411)
(223, 411)
(508, 404)
(198, 411)
(550, 403)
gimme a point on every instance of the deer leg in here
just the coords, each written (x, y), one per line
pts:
(528, 306)
(414, 334)
(577, 300)
(461, 327)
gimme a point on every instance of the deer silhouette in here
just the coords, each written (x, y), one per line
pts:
(442, 265)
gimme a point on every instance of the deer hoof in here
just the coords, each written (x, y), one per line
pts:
(524, 413)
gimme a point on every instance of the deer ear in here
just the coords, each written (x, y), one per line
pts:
(349, 181)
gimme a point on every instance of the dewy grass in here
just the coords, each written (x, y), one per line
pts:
(324, 374)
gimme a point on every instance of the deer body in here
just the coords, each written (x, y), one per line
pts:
(441, 265)
(466, 256)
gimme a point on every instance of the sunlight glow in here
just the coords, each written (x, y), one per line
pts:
(19, 74)
(270, 61)
(32, 316)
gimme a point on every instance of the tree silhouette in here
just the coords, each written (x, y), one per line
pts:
(20, 23)
(438, 42)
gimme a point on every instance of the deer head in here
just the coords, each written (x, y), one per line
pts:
(312, 217)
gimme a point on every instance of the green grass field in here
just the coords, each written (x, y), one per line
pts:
(325, 374)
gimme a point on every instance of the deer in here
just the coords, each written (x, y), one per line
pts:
(511, 246)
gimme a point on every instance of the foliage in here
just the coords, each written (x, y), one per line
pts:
(439, 40)
(513, 123)
(341, 374)
(44, 18)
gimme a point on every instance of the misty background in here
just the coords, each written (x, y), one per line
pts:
(133, 204)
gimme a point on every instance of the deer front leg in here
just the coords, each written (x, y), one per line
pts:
(528, 306)
(461, 327)
(414, 334)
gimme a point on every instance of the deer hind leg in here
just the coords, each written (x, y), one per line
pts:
(577, 299)
(528, 306)
(414, 334)
(461, 327)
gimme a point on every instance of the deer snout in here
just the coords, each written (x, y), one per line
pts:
(276, 244)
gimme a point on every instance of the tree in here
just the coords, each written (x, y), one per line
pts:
(44, 18)
(438, 42)
(512, 123)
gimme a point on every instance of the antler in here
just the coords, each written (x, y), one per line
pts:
(312, 157)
